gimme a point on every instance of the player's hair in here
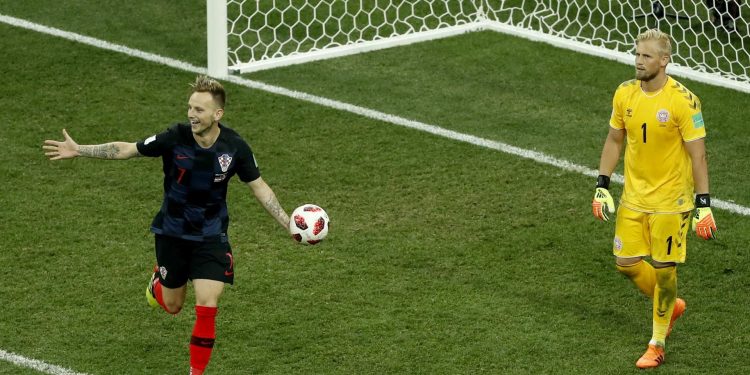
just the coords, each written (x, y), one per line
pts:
(663, 40)
(205, 84)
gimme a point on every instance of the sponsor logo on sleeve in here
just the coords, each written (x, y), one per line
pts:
(698, 120)
(149, 139)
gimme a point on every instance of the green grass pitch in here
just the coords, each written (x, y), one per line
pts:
(443, 257)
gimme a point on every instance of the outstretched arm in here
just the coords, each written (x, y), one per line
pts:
(267, 199)
(68, 149)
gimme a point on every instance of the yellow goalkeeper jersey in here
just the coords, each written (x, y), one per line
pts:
(658, 169)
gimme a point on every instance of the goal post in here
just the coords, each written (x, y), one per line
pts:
(710, 39)
(216, 36)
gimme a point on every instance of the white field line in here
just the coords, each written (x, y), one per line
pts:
(366, 112)
(36, 365)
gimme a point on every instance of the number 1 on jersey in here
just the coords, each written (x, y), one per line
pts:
(669, 245)
(644, 132)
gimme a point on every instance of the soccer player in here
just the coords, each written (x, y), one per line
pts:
(198, 158)
(665, 163)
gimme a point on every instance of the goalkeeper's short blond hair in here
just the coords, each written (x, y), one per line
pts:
(664, 42)
(206, 84)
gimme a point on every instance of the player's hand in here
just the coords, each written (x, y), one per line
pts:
(603, 201)
(602, 204)
(56, 150)
(703, 219)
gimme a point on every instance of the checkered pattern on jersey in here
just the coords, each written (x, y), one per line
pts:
(196, 179)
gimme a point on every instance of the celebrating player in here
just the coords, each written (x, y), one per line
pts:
(665, 163)
(190, 228)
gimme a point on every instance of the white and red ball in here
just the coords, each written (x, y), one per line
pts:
(309, 224)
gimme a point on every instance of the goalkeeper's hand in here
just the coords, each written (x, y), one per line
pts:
(703, 219)
(603, 201)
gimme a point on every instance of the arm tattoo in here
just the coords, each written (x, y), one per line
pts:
(103, 151)
(274, 208)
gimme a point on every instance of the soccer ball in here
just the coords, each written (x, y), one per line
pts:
(309, 224)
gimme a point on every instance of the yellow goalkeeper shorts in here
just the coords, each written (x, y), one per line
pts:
(660, 236)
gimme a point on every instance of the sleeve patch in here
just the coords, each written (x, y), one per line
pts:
(153, 138)
(698, 120)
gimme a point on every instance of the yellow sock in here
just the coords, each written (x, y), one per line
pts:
(664, 299)
(643, 276)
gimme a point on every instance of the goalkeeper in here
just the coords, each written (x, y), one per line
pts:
(665, 163)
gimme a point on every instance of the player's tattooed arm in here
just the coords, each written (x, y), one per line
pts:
(68, 148)
(112, 150)
(274, 208)
(268, 200)
(105, 151)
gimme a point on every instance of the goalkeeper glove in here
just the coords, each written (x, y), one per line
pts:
(603, 201)
(703, 219)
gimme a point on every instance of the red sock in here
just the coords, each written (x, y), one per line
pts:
(202, 341)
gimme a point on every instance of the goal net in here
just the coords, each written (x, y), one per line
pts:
(711, 41)
(269, 33)
(711, 37)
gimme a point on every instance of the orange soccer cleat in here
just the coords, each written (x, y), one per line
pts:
(653, 357)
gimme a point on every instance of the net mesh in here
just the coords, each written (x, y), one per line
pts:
(266, 29)
(708, 35)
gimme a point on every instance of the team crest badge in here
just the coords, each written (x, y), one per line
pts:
(224, 161)
(662, 115)
(163, 272)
